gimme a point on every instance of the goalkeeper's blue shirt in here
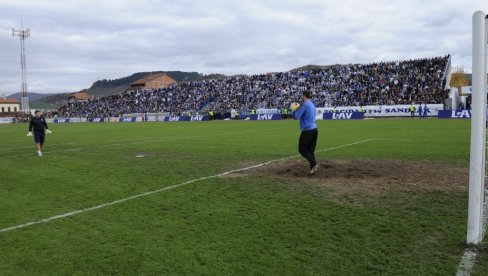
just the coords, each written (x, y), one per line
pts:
(306, 115)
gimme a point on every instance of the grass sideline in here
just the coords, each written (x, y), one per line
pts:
(247, 225)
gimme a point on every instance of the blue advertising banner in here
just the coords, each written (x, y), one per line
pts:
(199, 118)
(59, 121)
(96, 120)
(196, 118)
(454, 114)
(262, 117)
(344, 116)
(173, 119)
(128, 120)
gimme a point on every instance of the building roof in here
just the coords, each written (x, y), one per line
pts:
(150, 77)
(81, 96)
(9, 101)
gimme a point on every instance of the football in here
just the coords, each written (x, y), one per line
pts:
(294, 106)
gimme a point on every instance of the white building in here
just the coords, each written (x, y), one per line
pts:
(8, 105)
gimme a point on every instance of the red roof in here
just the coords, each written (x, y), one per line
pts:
(9, 101)
(80, 96)
(150, 77)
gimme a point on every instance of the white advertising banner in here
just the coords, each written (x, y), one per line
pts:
(267, 111)
(6, 120)
(468, 90)
(77, 120)
(67, 120)
(372, 111)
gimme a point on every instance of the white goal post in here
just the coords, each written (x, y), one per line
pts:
(477, 166)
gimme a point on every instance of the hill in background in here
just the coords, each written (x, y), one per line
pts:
(35, 100)
(109, 87)
(313, 67)
(32, 96)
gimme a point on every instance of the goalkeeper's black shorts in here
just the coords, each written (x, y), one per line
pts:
(39, 137)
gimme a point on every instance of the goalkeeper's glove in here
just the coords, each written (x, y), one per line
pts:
(30, 133)
(48, 131)
(294, 106)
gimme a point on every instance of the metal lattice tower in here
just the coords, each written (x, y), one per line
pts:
(23, 34)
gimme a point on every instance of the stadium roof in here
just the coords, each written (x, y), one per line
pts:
(9, 101)
(80, 96)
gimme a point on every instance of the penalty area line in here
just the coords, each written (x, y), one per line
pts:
(100, 206)
(155, 140)
(468, 260)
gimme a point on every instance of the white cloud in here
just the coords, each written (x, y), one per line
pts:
(75, 43)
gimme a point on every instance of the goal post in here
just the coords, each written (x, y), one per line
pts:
(477, 164)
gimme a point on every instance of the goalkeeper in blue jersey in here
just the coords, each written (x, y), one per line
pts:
(308, 138)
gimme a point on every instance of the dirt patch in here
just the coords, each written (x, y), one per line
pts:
(368, 177)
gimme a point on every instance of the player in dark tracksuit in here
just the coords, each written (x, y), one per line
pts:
(39, 125)
(308, 138)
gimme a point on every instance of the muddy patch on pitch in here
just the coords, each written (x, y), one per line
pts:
(366, 177)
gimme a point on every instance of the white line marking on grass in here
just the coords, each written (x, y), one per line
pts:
(73, 213)
(420, 140)
(468, 259)
(143, 142)
(133, 139)
(30, 147)
(85, 142)
(467, 262)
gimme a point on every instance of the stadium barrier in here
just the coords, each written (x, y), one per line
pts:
(195, 118)
(378, 111)
(6, 120)
(66, 120)
(130, 120)
(59, 121)
(96, 120)
(454, 114)
(267, 111)
(265, 117)
(323, 113)
(343, 115)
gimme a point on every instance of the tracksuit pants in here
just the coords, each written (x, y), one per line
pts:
(306, 145)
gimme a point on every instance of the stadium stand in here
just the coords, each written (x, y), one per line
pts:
(385, 83)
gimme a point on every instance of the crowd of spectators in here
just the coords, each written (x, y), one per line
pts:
(385, 83)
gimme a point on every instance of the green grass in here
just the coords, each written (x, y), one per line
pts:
(238, 225)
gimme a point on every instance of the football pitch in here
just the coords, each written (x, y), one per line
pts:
(227, 197)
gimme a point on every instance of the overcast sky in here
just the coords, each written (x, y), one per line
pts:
(74, 43)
